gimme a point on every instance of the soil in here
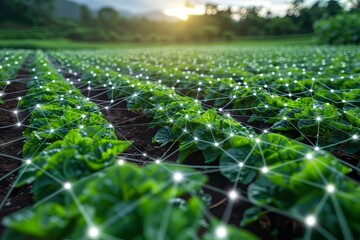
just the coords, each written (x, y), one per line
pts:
(11, 143)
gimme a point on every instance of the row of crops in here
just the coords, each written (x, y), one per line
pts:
(280, 125)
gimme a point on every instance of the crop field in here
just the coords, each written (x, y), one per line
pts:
(213, 142)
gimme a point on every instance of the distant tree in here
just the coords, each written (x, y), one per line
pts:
(108, 18)
(28, 12)
(333, 8)
(355, 5)
(295, 7)
(209, 32)
(86, 16)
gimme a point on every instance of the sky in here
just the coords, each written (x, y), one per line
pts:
(278, 7)
(141, 6)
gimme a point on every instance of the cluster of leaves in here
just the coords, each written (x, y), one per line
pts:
(100, 193)
(292, 172)
(332, 82)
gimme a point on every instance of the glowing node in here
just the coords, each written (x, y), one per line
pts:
(93, 232)
(196, 138)
(285, 118)
(355, 137)
(157, 161)
(257, 140)
(241, 164)
(52, 130)
(233, 195)
(121, 162)
(67, 186)
(310, 220)
(221, 232)
(316, 148)
(330, 188)
(178, 177)
(18, 124)
(28, 161)
(309, 156)
(318, 118)
(265, 170)
(216, 144)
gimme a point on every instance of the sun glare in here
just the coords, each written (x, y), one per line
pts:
(183, 13)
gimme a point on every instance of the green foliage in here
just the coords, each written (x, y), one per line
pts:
(341, 29)
(143, 193)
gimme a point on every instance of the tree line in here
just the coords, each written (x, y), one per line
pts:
(217, 23)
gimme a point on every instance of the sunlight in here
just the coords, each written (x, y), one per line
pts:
(183, 13)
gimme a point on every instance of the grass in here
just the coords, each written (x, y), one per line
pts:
(67, 44)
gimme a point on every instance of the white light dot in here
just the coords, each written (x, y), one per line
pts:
(121, 162)
(178, 177)
(241, 164)
(330, 188)
(318, 118)
(221, 232)
(257, 140)
(216, 144)
(67, 185)
(196, 138)
(316, 148)
(355, 137)
(93, 232)
(233, 195)
(309, 156)
(28, 161)
(310, 220)
(18, 124)
(265, 170)
(157, 161)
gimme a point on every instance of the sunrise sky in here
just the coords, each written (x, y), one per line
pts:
(176, 7)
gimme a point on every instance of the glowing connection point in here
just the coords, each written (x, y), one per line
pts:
(318, 118)
(257, 140)
(316, 148)
(28, 161)
(265, 170)
(310, 220)
(18, 124)
(330, 188)
(121, 162)
(309, 156)
(221, 232)
(93, 232)
(233, 195)
(216, 144)
(67, 185)
(355, 137)
(157, 161)
(241, 164)
(178, 177)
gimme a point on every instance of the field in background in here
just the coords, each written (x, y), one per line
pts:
(66, 44)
